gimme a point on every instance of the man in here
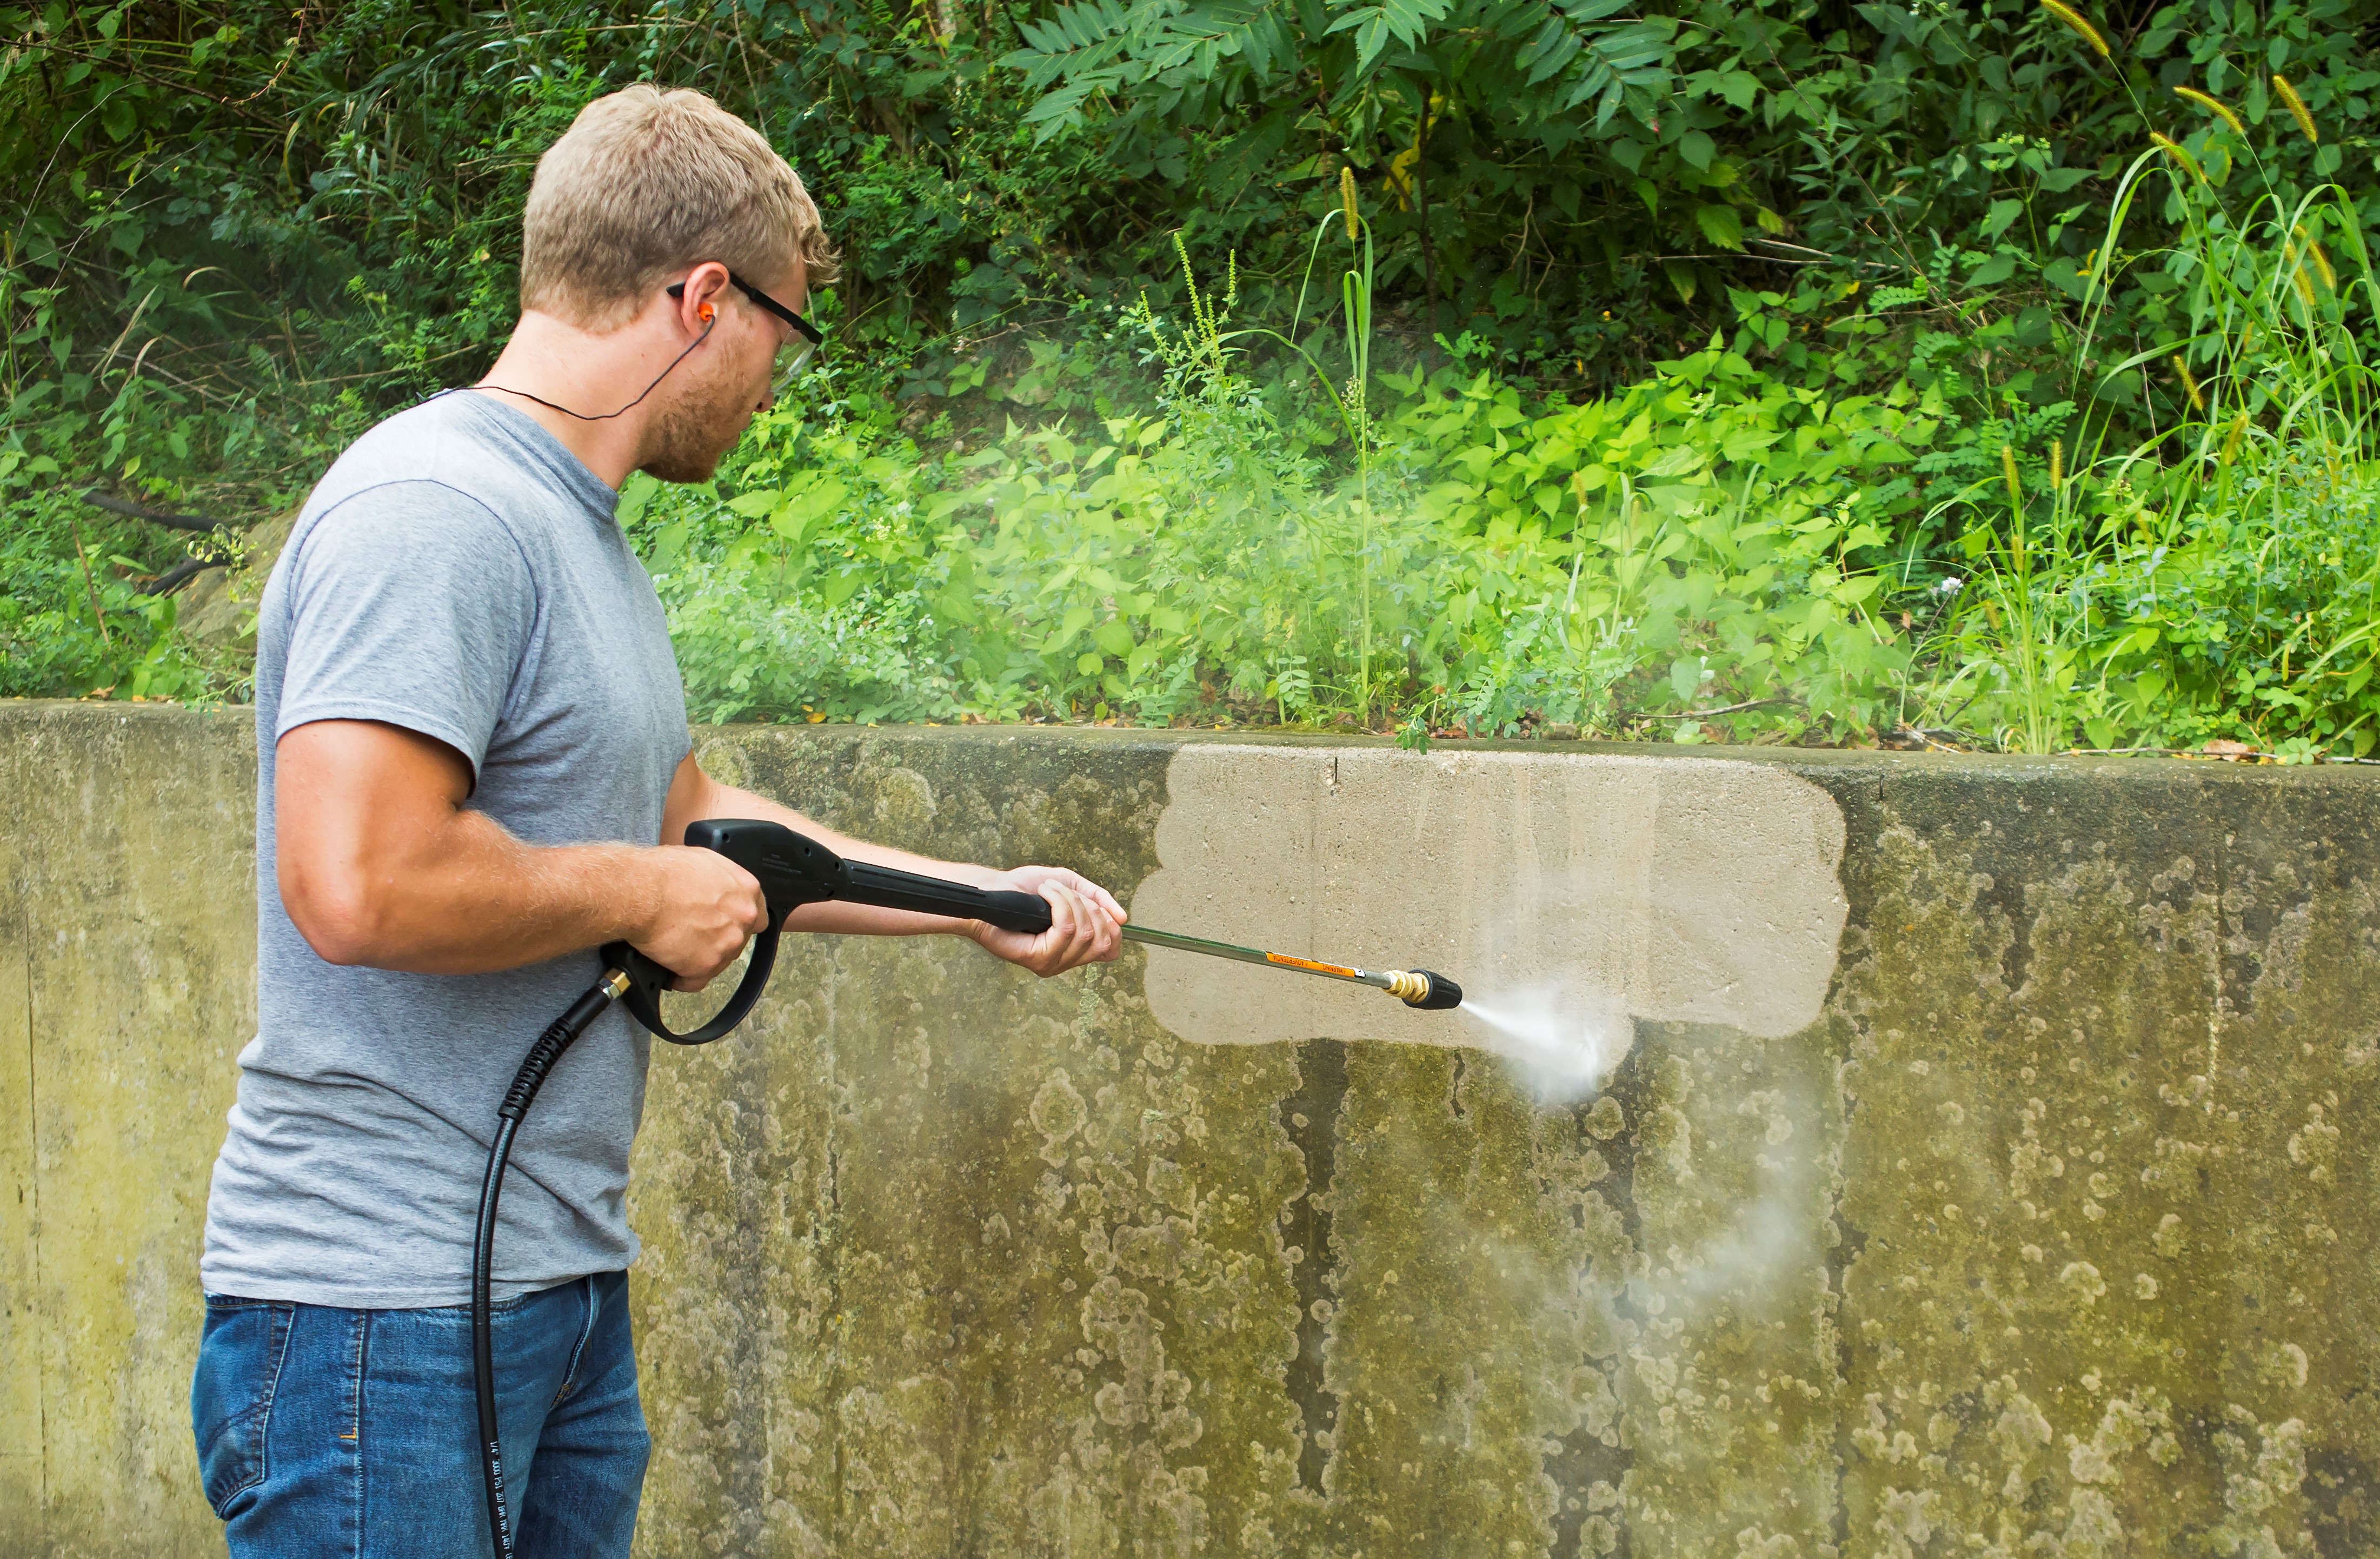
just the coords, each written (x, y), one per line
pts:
(473, 759)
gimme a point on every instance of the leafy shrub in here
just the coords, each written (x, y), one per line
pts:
(1692, 544)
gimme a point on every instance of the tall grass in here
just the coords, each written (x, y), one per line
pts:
(2220, 578)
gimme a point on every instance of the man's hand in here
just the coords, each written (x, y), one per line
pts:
(1086, 923)
(707, 908)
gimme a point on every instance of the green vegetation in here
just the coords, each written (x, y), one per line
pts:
(1760, 372)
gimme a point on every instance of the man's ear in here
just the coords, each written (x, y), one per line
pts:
(697, 295)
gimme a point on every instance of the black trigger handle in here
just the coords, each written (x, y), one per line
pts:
(647, 980)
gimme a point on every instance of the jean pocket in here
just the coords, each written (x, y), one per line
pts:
(240, 1355)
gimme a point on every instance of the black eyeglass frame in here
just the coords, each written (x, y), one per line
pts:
(812, 333)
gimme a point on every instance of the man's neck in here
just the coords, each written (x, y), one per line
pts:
(556, 362)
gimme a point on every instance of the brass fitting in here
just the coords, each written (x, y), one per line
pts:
(1408, 988)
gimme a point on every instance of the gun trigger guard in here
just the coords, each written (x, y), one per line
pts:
(647, 980)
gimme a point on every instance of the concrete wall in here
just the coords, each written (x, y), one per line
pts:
(1985, 1169)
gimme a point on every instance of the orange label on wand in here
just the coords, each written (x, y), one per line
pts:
(1339, 969)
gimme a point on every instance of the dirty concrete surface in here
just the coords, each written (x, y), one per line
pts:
(1993, 1186)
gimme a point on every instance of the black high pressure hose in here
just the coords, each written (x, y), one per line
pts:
(793, 871)
(558, 1037)
(627, 973)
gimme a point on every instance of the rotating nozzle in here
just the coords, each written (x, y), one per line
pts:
(1424, 989)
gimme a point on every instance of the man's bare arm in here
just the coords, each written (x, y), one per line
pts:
(1086, 921)
(380, 863)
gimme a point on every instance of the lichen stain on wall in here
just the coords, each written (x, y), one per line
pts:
(1691, 892)
(2093, 1176)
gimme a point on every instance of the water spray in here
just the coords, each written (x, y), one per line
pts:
(793, 871)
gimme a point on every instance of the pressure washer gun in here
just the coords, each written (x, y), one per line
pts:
(793, 871)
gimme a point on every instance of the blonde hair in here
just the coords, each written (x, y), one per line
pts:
(646, 183)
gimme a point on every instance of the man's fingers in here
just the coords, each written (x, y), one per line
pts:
(1059, 948)
(1065, 915)
(1093, 931)
(1095, 895)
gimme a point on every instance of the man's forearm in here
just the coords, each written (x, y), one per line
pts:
(472, 899)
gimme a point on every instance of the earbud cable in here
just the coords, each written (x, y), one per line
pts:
(711, 320)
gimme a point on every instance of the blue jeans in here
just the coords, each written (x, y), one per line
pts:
(352, 1432)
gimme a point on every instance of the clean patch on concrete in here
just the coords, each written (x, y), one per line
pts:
(1695, 891)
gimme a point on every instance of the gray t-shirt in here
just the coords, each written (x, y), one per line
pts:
(457, 573)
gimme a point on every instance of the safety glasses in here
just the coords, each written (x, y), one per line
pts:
(795, 355)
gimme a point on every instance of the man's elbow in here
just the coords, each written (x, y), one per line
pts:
(338, 913)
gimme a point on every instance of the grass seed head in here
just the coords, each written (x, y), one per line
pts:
(2073, 18)
(2214, 106)
(2322, 263)
(1347, 200)
(2008, 469)
(2188, 385)
(2172, 149)
(2298, 110)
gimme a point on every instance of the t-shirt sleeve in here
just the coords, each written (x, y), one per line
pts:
(412, 605)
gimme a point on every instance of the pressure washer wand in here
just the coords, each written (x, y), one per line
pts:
(1424, 989)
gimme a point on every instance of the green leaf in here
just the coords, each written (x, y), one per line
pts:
(1719, 225)
(636, 496)
(2069, 276)
(1114, 637)
(957, 605)
(822, 497)
(668, 543)
(1996, 220)
(117, 118)
(1993, 272)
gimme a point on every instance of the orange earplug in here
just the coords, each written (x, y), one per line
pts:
(706, 314)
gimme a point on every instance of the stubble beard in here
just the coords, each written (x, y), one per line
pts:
(696, 430)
